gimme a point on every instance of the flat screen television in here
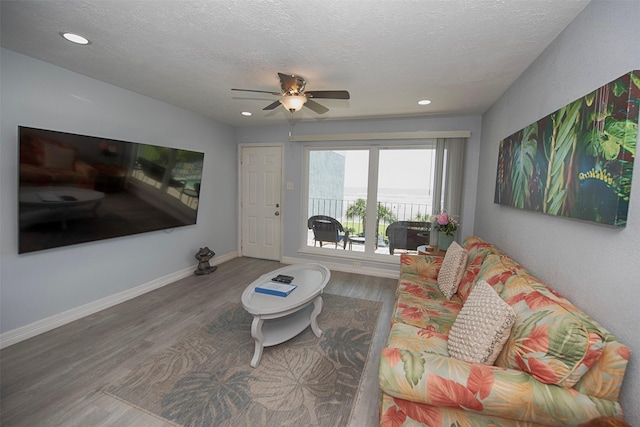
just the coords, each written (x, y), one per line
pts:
(76, 189)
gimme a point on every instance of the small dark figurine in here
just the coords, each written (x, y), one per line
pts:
(203, 256)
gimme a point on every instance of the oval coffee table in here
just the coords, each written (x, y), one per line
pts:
(277, 319)
(52, 204)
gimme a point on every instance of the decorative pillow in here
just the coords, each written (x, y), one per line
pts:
(57, 157)
(32, 151)
(482, 327)
(453, 267)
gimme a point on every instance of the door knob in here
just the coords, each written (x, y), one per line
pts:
(277, 213)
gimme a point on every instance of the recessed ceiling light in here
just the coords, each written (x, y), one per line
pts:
(75, 38)
(245, 113)
(424, 102)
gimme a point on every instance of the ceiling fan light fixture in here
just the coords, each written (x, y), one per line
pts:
(293, 103)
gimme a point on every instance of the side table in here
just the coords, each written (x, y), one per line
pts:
(430, 250)
(356, 239)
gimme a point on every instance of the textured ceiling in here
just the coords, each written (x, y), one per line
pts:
(461, 54)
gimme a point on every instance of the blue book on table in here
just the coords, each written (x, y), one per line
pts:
(274, 288)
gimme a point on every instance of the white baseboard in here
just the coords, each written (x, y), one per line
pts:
(44, 325)
(348, 268)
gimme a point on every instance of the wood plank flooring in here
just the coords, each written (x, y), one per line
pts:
(55, 379)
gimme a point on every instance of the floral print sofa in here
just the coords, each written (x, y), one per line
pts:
(47, 162)
(558, 366)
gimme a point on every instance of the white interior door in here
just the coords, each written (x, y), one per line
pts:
(261, 174)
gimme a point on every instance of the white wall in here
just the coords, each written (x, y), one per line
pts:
(292, 219)
(38, 285)
(596, 267)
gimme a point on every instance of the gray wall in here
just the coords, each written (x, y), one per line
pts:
(38, 285)
(292, 207)
(596, 267)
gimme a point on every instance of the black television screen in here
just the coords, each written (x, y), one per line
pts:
(76, 189)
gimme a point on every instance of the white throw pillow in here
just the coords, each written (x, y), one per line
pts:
(482, 326)
(452, 270)
(57, 157)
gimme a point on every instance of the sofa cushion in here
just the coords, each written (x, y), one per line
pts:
(453, 267)
(476, 246)
(497, 271)
(482, 326)
(612, 362)
(548, 341)
(469, 277)
(417, 339)
(423, 266)
(436, 313)
(419, 286)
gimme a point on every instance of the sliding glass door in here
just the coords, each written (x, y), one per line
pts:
(337, 187)
(404, 198)
(374, 201)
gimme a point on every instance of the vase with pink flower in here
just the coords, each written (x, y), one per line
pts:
(446, 226)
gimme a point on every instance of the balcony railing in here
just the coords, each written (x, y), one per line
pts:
(388, 212)
(404, 237)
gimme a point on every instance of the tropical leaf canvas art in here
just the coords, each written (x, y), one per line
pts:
(578, 161)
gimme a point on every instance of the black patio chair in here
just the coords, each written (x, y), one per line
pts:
(327, 229)
(407, 235)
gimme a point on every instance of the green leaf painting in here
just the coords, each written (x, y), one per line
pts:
(577, 162)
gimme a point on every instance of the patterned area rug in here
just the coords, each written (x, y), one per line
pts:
(205, 379)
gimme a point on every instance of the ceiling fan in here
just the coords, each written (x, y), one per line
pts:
(293, 97)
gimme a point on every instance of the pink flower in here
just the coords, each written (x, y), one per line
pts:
(443, 218)
(444, 223)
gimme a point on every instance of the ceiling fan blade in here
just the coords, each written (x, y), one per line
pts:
(259, 91)
(328, 94)
(272, 106)
(313, 105)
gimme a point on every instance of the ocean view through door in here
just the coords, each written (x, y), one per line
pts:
(394, 186)
(261, 175)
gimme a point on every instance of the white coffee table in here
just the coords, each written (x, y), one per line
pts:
(51, 204)
(278, 319)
